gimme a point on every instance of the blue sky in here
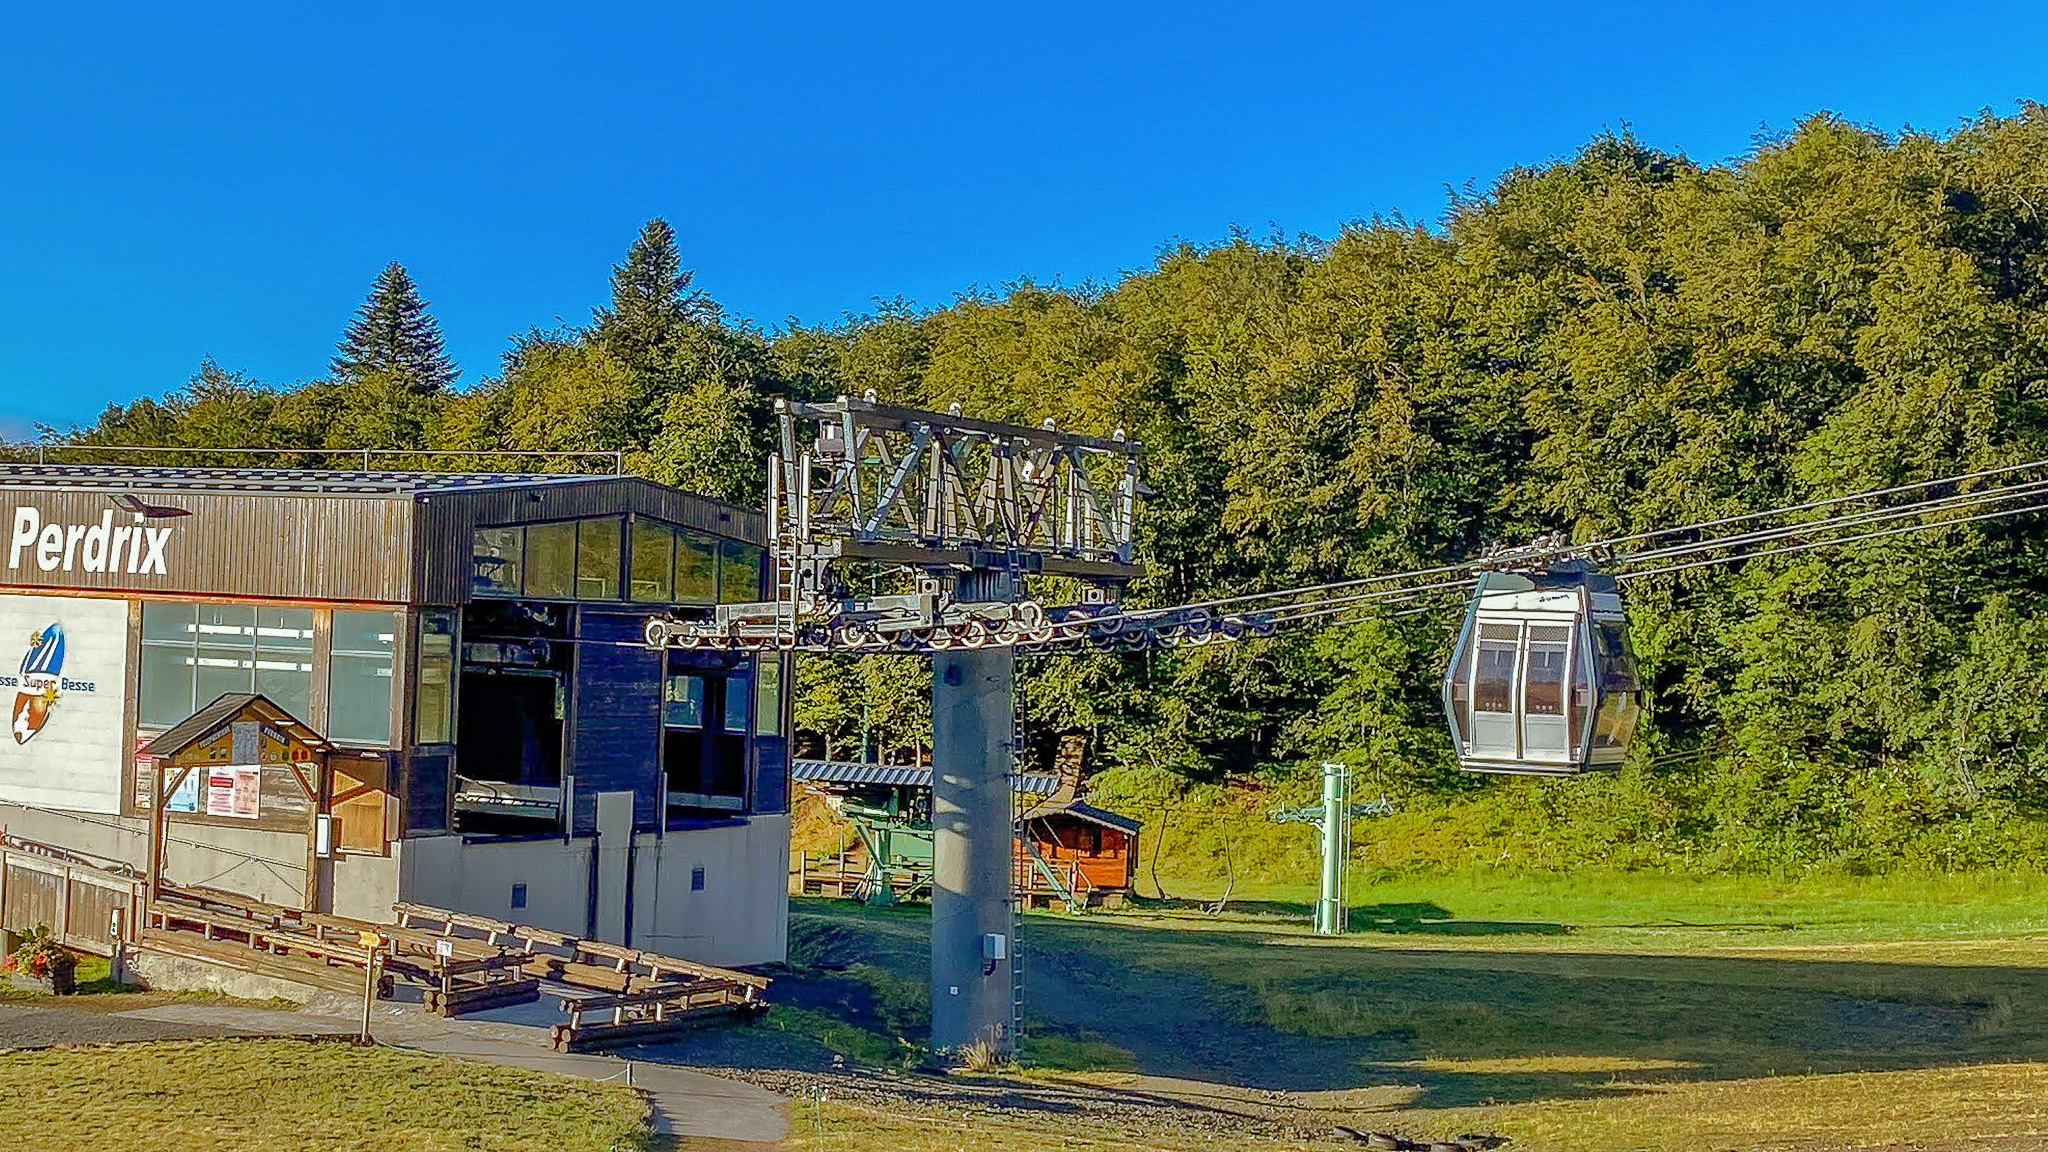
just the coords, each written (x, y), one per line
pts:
(225, 180)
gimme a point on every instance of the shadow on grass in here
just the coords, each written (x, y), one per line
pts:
(1263, 1009)
(1422, 917)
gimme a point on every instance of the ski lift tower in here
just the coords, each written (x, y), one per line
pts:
(974, 516)
(1332, 822)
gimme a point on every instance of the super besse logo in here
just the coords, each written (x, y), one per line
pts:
(104, 547)
(37, 692)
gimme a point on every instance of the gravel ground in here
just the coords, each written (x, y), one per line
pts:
(24, 1025)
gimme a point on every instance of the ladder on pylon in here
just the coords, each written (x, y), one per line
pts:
(1017, 809)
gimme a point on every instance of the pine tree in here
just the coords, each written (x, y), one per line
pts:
(652, 301)
(394, 335)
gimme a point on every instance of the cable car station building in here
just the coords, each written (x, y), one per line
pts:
(469, 646)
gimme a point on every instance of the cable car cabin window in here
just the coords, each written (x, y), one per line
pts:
(1493, 681)
(1543, 677)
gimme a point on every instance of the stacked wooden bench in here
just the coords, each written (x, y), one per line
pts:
(466, 963)
(649, 995)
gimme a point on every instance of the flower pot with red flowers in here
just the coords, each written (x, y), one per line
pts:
(41, 964)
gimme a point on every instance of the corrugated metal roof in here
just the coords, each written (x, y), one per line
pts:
(898, 775)
(1082, 810)
(72, 477)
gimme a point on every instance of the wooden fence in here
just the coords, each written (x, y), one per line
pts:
(86, 906)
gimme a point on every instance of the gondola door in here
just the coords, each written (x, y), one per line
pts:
(1546, 670)
(1496, 683)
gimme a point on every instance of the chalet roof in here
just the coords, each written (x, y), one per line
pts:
(898, 775)
(1082, 810)
(208, 721)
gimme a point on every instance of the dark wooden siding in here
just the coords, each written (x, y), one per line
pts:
(615, 735)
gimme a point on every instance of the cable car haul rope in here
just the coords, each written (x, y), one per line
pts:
(1542, 680)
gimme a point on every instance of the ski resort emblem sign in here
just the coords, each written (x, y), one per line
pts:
(68, 691)
(40, 683)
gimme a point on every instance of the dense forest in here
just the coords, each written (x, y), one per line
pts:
(1622, 340)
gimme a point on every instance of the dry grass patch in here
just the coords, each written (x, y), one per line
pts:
(294, 1096)
(2002, 1106)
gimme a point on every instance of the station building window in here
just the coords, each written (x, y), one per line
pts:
(654, 563)
(434, 684)
(192, 654)
(705, 723)
(359, 676)
(566, 560)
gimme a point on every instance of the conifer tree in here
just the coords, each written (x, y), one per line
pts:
(393, 336)
(652, 302)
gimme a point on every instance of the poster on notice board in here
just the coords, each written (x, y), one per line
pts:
(232, 790)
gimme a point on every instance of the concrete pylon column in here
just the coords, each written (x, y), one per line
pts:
(974, 712)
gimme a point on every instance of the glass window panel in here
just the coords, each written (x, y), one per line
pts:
(652, 561)
(1543, 687)
(768, 697)
(226, 624)
(288, 684)
(494, 561)
(736, 704)
(434, 692)
(551, 560)
(169, 621)
(284, 630)
(221, 671)
(683, 703)
(1493, 688)
(597, 559)
(696, 569)
(368, 633)
(739, 572)
(166, 689)
(359, 698)
(359, 677)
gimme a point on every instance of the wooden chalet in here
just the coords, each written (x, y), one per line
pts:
(1072, 852)
(1075, 852)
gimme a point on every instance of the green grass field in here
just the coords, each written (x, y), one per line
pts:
(293, 1096)
(1598, 1011)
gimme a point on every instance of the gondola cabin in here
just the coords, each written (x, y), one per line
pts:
(1543, 681)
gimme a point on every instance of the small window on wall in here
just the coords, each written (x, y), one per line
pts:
(597, 559)
(496, 556)
(683, 703)
(434, 688)
(192, 654)
(736, 704)
(653, 562)
(739, 572)
(696, 569)
(551, 560)
(768, 696)
(359, 676)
